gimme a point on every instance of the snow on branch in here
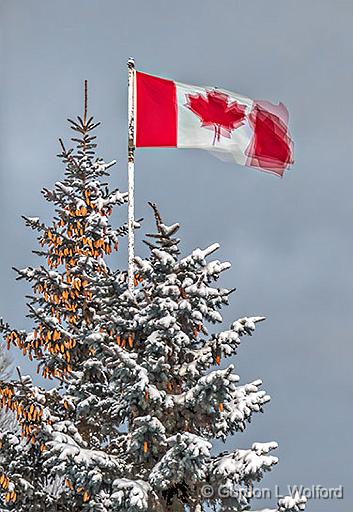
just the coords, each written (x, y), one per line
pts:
(198, 257)
(185, 461)
(242, 466)
(223, 344)
(130, 495)
(294, 503)
(244, 401)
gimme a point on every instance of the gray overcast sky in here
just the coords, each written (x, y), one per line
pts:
(290, 241)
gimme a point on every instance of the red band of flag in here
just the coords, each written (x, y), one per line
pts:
(156, 112)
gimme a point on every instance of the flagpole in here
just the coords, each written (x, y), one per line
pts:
(131, 170)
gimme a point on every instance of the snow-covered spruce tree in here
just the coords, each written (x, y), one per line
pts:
(134, 396)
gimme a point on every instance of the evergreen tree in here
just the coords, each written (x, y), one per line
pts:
(135, 396)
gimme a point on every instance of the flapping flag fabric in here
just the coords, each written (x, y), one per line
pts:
(232, 127)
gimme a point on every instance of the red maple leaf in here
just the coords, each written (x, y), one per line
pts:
(217, 112)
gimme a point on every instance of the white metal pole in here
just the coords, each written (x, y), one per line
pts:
(131, 170)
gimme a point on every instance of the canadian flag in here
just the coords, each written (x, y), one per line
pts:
(233, 127)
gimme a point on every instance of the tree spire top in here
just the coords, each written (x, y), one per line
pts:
(85, 103)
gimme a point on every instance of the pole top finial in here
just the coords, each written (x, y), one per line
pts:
(131, 62)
